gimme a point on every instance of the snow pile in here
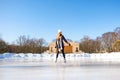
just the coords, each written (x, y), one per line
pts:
(97, 56)
(106, 56)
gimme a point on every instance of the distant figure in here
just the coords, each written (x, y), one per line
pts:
(60, 44)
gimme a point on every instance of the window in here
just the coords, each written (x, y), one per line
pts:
(76, 49)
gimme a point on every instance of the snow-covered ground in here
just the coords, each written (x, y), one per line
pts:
(81, 66)
(114, 56)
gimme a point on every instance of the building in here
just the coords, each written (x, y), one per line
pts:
(67, 49)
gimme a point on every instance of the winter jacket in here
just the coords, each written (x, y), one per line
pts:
(60, 42)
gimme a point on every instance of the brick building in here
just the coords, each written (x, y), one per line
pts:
(67, 49)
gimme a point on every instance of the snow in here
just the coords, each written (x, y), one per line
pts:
(79, 66)
(114, 56)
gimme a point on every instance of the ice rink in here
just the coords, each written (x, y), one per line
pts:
(80, 68)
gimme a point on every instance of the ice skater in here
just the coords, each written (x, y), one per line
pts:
(60, 39)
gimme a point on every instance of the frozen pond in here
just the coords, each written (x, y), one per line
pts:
(78, 68)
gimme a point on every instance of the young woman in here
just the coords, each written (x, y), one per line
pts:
(60, 39)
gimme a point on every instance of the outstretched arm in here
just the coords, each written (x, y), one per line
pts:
(66, 41)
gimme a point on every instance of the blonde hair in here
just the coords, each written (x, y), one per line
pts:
(58, 35)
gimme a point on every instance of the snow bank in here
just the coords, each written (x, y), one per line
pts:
(99, 56)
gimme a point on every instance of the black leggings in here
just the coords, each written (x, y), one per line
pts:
(62, 53)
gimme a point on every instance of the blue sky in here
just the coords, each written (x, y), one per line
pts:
(42, 18)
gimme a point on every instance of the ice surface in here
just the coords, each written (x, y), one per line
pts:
(42, 67)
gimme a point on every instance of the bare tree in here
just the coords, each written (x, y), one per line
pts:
(40, 44)
(117, 31)
(98, 45)
(3, 46)
(84, 44)
(90, 45)
(108, 39)
(23, 41)
(31, 45)
(116, 46)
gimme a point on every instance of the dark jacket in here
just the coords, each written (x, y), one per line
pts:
(60, 42)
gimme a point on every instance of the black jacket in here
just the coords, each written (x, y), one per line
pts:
(60, 42)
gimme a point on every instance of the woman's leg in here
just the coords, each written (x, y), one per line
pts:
(57, 56)
(63, 55)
